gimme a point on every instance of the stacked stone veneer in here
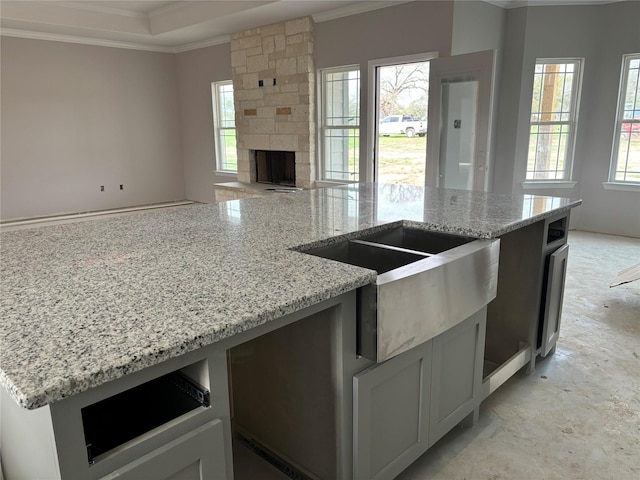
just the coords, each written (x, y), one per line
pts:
(280, 116)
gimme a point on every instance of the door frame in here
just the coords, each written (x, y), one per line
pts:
(482, 65)
(371, 163)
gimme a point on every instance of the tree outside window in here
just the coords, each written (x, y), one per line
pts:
(625, 160)
(554, 104)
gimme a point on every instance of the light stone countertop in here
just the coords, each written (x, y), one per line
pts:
(88, 302)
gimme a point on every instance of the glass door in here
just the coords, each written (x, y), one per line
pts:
(401, 102)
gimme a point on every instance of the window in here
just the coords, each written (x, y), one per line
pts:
(340, 124)
(625, 160)
(224, 124)
(554, 114)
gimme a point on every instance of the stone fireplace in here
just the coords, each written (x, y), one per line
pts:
(274, 90)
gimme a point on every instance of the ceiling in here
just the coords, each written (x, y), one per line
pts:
(176, 25)
(161, 25)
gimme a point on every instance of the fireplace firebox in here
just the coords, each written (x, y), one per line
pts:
(276, 167)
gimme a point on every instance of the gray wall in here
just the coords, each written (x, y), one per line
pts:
(600, 34)
(75, 117)
(477, 26)
(196, 70)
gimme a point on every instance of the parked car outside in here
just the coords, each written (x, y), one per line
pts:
(402, 125)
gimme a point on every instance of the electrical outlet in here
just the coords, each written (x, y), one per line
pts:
(102, 188)
(121, 187)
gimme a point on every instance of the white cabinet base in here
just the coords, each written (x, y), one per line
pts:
(197, 455)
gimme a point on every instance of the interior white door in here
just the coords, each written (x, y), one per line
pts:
(459, 119)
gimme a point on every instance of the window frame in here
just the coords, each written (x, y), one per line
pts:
(323, 127)
(221, 166)
(572, 123)
(612, 182)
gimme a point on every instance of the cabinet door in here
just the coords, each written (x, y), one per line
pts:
(553, 301)
(391, 414)
(197, 455)
(456, 383)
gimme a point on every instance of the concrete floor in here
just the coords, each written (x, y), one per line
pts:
(578, 415)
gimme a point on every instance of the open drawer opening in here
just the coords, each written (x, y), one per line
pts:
(121, 418)
(557, 230)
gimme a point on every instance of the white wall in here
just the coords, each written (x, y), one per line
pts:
(196, 70)
(75, 117)
(600, 34)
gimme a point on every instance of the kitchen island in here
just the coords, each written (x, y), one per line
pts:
(97, 308)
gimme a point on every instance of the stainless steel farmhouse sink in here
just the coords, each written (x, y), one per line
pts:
(374, 256)
(427, 283)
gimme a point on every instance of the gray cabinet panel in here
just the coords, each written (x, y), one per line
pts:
(554, 296)
(198, 455)
(391, 407)
(457, 374)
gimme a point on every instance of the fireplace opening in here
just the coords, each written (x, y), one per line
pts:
(275, 167)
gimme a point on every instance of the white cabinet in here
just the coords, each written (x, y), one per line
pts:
(196, 455)
(158, 423)
(391, 407)
(404, 405)
(456, 382)
(553, 293)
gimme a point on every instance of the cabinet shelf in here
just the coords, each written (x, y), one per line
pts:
(118, 419)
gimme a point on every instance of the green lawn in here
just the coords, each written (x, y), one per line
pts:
(402, 159)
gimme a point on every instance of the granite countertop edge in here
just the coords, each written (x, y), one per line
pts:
(68, 387)
(30, 394)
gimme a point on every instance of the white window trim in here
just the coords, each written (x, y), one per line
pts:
(216, 129)
(539, 184)
(573, 123)
(368, 169)
(321, 93)
(621, 186)
(612, 183)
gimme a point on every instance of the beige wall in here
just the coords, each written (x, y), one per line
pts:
(406, 29)
(196, 70)
(75, 117)
(600, 34)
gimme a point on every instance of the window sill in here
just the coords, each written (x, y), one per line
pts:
(225, 173)
(331, 183)
(550, 184)
(629, 187)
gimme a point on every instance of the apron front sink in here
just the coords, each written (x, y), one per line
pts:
(427, 283)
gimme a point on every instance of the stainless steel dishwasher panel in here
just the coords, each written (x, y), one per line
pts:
(423, 299)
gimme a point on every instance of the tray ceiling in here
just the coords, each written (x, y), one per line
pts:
(176, 25)
(162, 25)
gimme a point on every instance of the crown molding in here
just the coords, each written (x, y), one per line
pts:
(355, 9)
(100, 9)
(203, 44)
(54, 37)
(172, 7)
(508, 4)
